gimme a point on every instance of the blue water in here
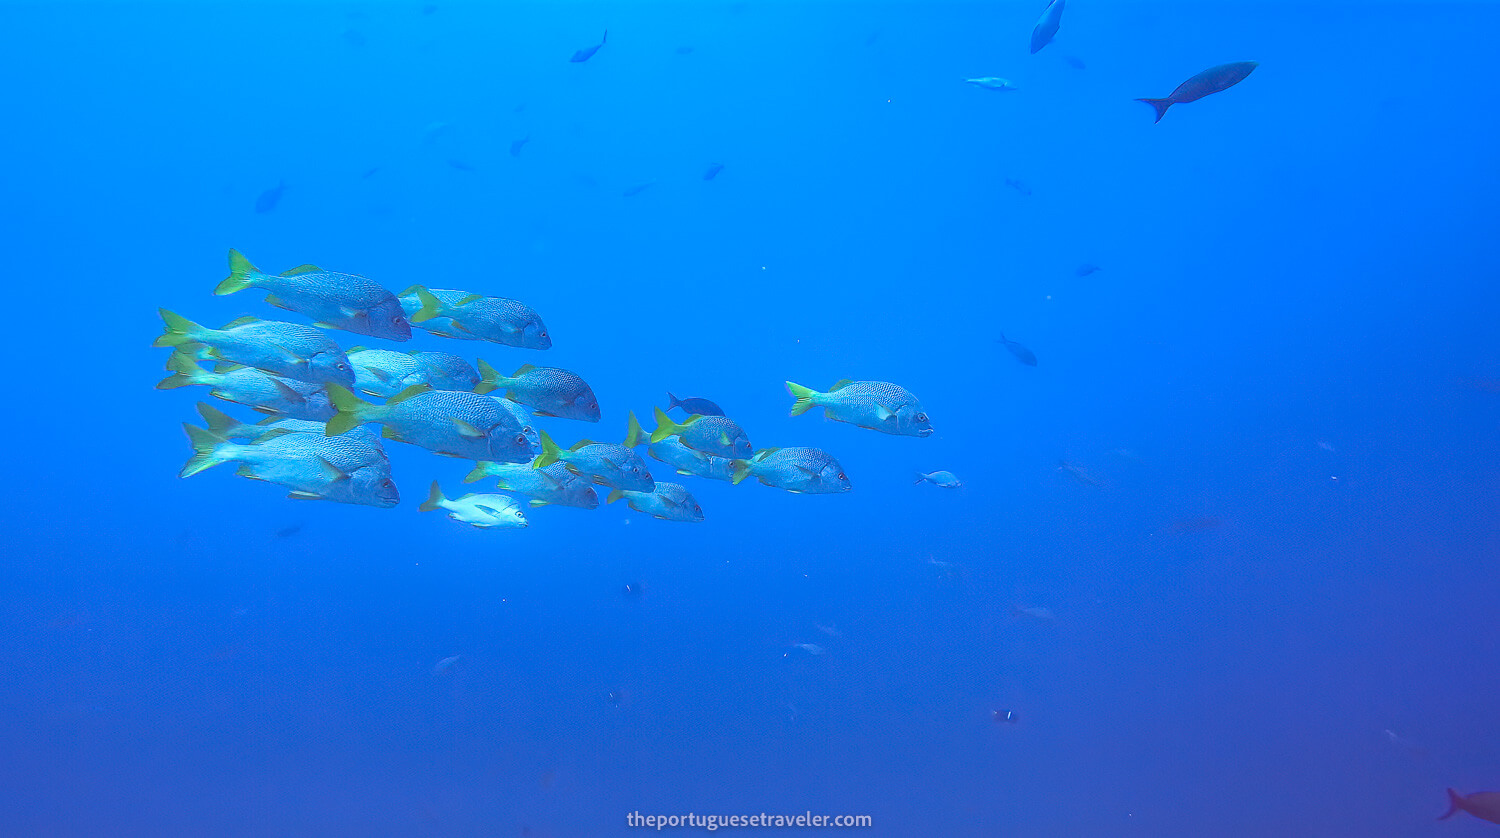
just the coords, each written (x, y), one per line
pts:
(1282, 382)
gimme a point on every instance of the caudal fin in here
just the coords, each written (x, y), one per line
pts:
(1455, 803)
(550, 452)
(673, 401)
(741, 470)
(220, 424)
(349, 407)
(803, 396)
(481, 471)
(431, 306)
(634, 434)
(179, 330)
(186, 373)
(1160, 105)
(434, 499)
(665, 427)
(239, 277)
(204, 446)
(488, 377)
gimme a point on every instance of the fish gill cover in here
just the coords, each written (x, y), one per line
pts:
(858, 409)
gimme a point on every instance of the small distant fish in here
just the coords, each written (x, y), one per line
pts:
(1046, 26)
(1024, 355)
(476, 510)
(684, 50)
(691, 405)
(632, 590)
(947, 570)
(874, 405)
(1326, 446)
(992, 83)
(798, 470)
(1079, 473)
(831, 631)
(637, 189)
(1212, 80)
(588, 52)
(943, 479)
(289, 530)
(461, 165)
(268, 199)
(515, 147)
(713, 171)
(446, 664)
(1019, 186)
(1034, 612)
(1484, 805)
(1085, 270)
(369, 173)
(1182, 526)
(1004, 717)
(810, 648)
(668, 502)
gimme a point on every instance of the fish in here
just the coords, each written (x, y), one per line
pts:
(799, 470)
(1484, 805)
(716, 435)
(684, 50)
(482, 511)
(607, 464)
(686, 461)
(702, 407)
(446, 664)
(943, 479)
(333, 300)
(1033, 612)
(1086, 269)
(461, 165)
(992, 83)
(383, 372)
(343, 469)
(1080, 474)
(524, 419)
(1212, 80)
(1046, 26)
(1074, 62)
(466, 316)
(1019, 186)
(285, 349)
(447, 372)
(448, 422)
(1024, 355)
(588, 52)
(1004, 717)
(267, 200)
(515, 147)
(668, 501)
(637, 189)
(227, 427)
(548, 391)
(874, 405)
(810, 648)
(252, 388)
(713, 171)
(554, 484)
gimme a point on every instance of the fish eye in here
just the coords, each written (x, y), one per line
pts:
(544, 333)
(520, 439)
(842, 477)
(387, 483)
(921, 417)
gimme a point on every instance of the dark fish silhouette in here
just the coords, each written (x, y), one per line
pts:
(1046, 26)
(268, 199)
(702, 407)
(1212, 80)
(1018, 186)
(515, 147)
(1022, 354)
(370, 173)
(684, 50)
(713, 171)
(1484, 805)
(460, 165)
(1075, 63)
(637, 189)
(1085, 270)
(588, 52)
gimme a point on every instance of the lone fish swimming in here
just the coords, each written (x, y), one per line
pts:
(1212, 80)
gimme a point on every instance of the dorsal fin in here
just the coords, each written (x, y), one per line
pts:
(469, 298)
(841, 384)
(525, 368)
(241, 321)
(579, 444)
(302, 269)
(413, 390)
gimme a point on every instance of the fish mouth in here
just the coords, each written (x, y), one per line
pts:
(926, 432)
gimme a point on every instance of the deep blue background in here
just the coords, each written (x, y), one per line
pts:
(1307, 258)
